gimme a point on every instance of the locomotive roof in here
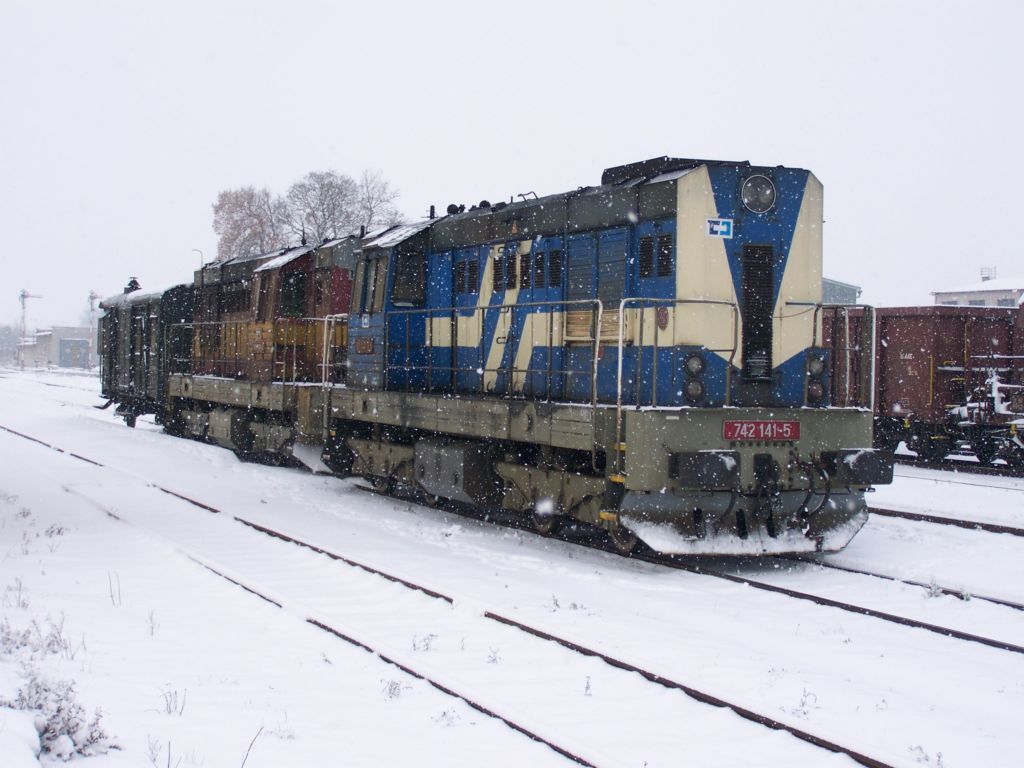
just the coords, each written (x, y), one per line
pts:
(135, 297)
(641, 189)
(286, 257)
(395, 235)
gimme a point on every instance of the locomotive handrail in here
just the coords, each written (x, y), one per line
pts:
(870, 314)
(330, 323)
(654, 377)
(453, 313)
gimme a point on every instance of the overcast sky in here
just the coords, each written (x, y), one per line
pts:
(121, 121)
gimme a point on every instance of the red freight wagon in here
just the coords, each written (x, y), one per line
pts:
(945, 375)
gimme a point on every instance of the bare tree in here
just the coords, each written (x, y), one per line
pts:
(322, 205)
(375, 199)
(248, 221)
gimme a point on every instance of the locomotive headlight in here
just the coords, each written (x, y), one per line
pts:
(815, 390)
(758, 194)
(694, 390)
(695, 365)
(815, 366)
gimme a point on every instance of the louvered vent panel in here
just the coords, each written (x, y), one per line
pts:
(664, 255)
(757, 312)
(646, 256)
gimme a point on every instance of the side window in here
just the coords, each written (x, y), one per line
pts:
(510, 268)
(498, 276)
(381, 269)
(263, 297)
(555, 269)
(409, 284)
(293, 294)
(524, 270)
(357, 287)
(646, 256)
(460, 276)
(664, 255)
(467, 276)
(538, 270)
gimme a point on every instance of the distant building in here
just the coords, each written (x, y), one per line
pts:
(990, 292)
(835, 292)
(60, 346)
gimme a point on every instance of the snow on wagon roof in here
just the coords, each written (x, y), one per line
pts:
(130, 298)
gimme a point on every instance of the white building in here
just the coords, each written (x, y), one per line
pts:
(60, 346)
(993, 292)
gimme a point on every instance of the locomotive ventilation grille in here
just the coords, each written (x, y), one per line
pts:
(757, 312)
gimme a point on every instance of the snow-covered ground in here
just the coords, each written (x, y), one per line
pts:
(189, 667)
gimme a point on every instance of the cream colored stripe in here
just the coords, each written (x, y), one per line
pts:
(702, 270)
(793, 326)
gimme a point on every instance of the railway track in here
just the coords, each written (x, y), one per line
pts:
(973, 525)
(675, 562)
(693, 693)
(960, 594)
(350, 637)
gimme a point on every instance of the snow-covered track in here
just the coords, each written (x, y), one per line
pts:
(922, 517)
(669, 561)
(369, 648)
(849, 607)
(693, 693)
(960, 594)
(660, 680)
(687, 564)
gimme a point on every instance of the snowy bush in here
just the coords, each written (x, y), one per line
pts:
(60, 719)
(35, 640)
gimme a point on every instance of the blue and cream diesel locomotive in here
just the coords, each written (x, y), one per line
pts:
(647, 356)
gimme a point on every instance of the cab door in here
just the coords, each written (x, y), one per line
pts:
(366, 326)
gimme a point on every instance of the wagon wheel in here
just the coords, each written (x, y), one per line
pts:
(546, 524)
(623, 539)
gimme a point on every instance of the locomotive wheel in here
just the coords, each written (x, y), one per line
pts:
(430, 499)
(932, 450)
(545, 524)
(623, 539)
(382, 483)
(984, 449)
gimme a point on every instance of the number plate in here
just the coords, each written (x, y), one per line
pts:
(761, 430)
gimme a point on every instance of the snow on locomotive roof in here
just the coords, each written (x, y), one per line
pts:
(396, 235)
(130, 298)
(289, 255)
